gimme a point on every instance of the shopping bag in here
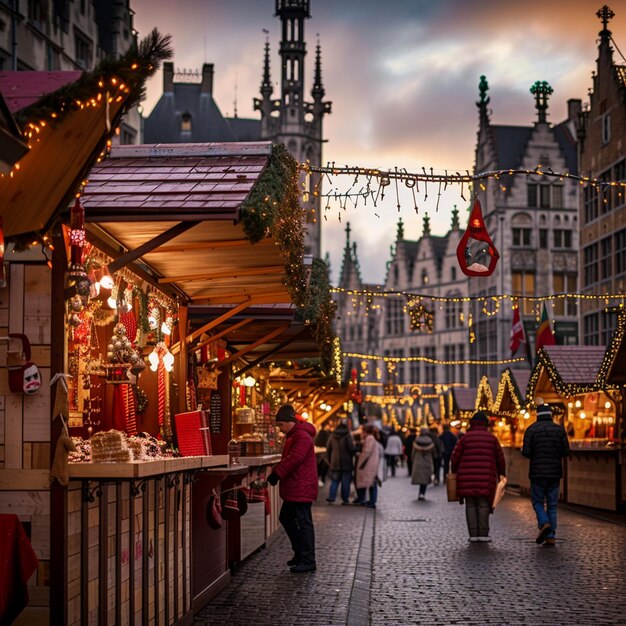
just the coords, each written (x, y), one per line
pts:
(499, 491)
(451, 487)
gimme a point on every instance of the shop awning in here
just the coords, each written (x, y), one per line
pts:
(12, 144)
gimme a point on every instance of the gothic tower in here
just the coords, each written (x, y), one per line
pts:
(289, 119)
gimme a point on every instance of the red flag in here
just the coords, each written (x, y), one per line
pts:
(517, 332)
(545, 336)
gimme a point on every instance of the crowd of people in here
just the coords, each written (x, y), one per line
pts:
(364, 457)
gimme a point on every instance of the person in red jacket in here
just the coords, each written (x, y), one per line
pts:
(297, 472)
(478, 461)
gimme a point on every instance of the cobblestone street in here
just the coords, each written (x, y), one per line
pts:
(410, 562)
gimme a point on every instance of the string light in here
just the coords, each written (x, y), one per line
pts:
(405, 359)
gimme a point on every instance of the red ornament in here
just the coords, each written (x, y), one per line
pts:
(476, 253)
(77, 232)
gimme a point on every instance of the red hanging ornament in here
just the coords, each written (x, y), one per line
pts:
(77, 232)
(476, 253)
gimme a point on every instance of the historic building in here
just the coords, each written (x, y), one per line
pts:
(188, 113)
(402, 326)
(602, 140)
(533, 221)
(63, 35)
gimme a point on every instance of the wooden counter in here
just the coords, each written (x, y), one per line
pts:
(258, 461)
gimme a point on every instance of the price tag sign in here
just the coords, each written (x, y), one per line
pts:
(216, 413)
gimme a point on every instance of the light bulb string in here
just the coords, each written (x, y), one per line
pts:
(392, 360)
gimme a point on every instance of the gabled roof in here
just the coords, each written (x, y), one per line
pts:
(21, 89)
(569, 370)
(568, 146)
(613, 368)
(245, 129)
(465, 398)
(510, 145)
(511, 391)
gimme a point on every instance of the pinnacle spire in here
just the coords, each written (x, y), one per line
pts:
(455, 219)
(426, 227)
(541, 90)
(483, 88)
(400, 231)
(318, 91)
(266, 83)
(605, 15)
(348, 229)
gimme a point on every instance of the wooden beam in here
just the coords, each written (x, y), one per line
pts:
(176, 347)
(149, 246)
(269, 353)
(234, 357)
(218, 320)
(234, 273)
(262, 298)
(243, 291)
(213, 245)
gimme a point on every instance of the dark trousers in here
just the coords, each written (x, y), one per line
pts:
(392, 461)
(446, 467)
(297, 521)
(477, 516)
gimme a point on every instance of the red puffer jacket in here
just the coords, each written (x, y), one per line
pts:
(297, 469)
(477, 460)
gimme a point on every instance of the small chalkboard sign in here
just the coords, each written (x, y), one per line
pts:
(216, 413)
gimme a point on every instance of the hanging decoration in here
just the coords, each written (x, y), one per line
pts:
(161, 361)
(77, 273)
(421, 318)
(476, 253)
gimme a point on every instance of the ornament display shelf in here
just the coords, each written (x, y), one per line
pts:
(264, 459)
(142, 469)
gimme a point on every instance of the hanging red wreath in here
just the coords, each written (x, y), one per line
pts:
(476, 253)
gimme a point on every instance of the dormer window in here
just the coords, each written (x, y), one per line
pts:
(424, 278)
(606, 128)
(185, 123)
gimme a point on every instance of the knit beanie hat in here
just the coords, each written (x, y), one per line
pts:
(544, 410)
(480, 417)
(286, 413)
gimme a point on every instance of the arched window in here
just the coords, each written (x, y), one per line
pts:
(185, 122)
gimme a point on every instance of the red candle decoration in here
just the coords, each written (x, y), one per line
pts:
(476, 253)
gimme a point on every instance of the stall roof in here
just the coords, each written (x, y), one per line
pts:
(613, 368)
(465, 398)
(564, 371)
(511, 391)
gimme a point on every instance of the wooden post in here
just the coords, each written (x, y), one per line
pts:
(183, 360)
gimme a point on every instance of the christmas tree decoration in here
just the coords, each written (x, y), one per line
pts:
(422, 320)
(476, 253)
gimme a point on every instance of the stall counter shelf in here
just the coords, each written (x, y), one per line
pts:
(256, 461)
(143, 469)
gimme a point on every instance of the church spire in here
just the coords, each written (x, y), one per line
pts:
(400, 231)
(483, 88)
(426, 228)
(605, 15)
(318, 92)
(455, 219)
(266, 82)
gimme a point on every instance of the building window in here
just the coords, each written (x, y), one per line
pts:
(564, 283)
(606, 260)
(562, 238)
(606, 128)
(605, 195)
(424, 277)
(53, 59)
(591, 329)
(590, 195)
(590, 264)
(620, 251)
(523, 284)
(544, 196)
(394, 314)
(557, 196)
(185, 123)
(37, 13)
(429, 368)
(453, 273)
(453, 311)
(543, 238)
(532, 195)
(396, 274)
(83, 51)
(522, 237)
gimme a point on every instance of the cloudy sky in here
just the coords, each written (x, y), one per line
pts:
(403, 79)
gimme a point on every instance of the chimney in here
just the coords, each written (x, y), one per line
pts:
(168, 77)
(574, 109)
(207, 78)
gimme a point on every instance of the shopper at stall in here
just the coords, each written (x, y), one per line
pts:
(433, 433)
(393, 450)
(297, 473)
(478, 461)
(545, 444)
(448, 441)
(340, 451)
(367, 465)
(408, 448)
(423, 458)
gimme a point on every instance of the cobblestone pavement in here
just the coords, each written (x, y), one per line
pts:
(423, 570)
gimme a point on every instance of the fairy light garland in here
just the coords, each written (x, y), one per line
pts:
(408, 359)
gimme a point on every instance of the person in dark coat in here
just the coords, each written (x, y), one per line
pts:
(423, 457)
(297, 472)
(448, 441)
(478, 461)
(340, 451)
(433, 433)
(408, 448)
(321, 441)
(546, 445)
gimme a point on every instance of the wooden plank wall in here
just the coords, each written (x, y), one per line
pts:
(25, 423)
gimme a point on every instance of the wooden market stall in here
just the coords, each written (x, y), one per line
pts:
(566, 377)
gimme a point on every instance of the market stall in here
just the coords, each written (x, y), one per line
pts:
(566, 377)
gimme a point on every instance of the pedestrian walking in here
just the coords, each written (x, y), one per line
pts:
(546, 445)
(423, 457)
(393, 450)
(408, 449)
(367, 465)
(321, 441)
(448, 441)
(297, 473)
(478, 461)
(340, 451)
(433, 433)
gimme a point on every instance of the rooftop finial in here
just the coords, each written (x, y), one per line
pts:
(426, 229)
(606, 15)
(541, 90)
(455, 218)
(400, 231)
(348, 235)
(318, 90)
(266, 83)
(483, 88)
